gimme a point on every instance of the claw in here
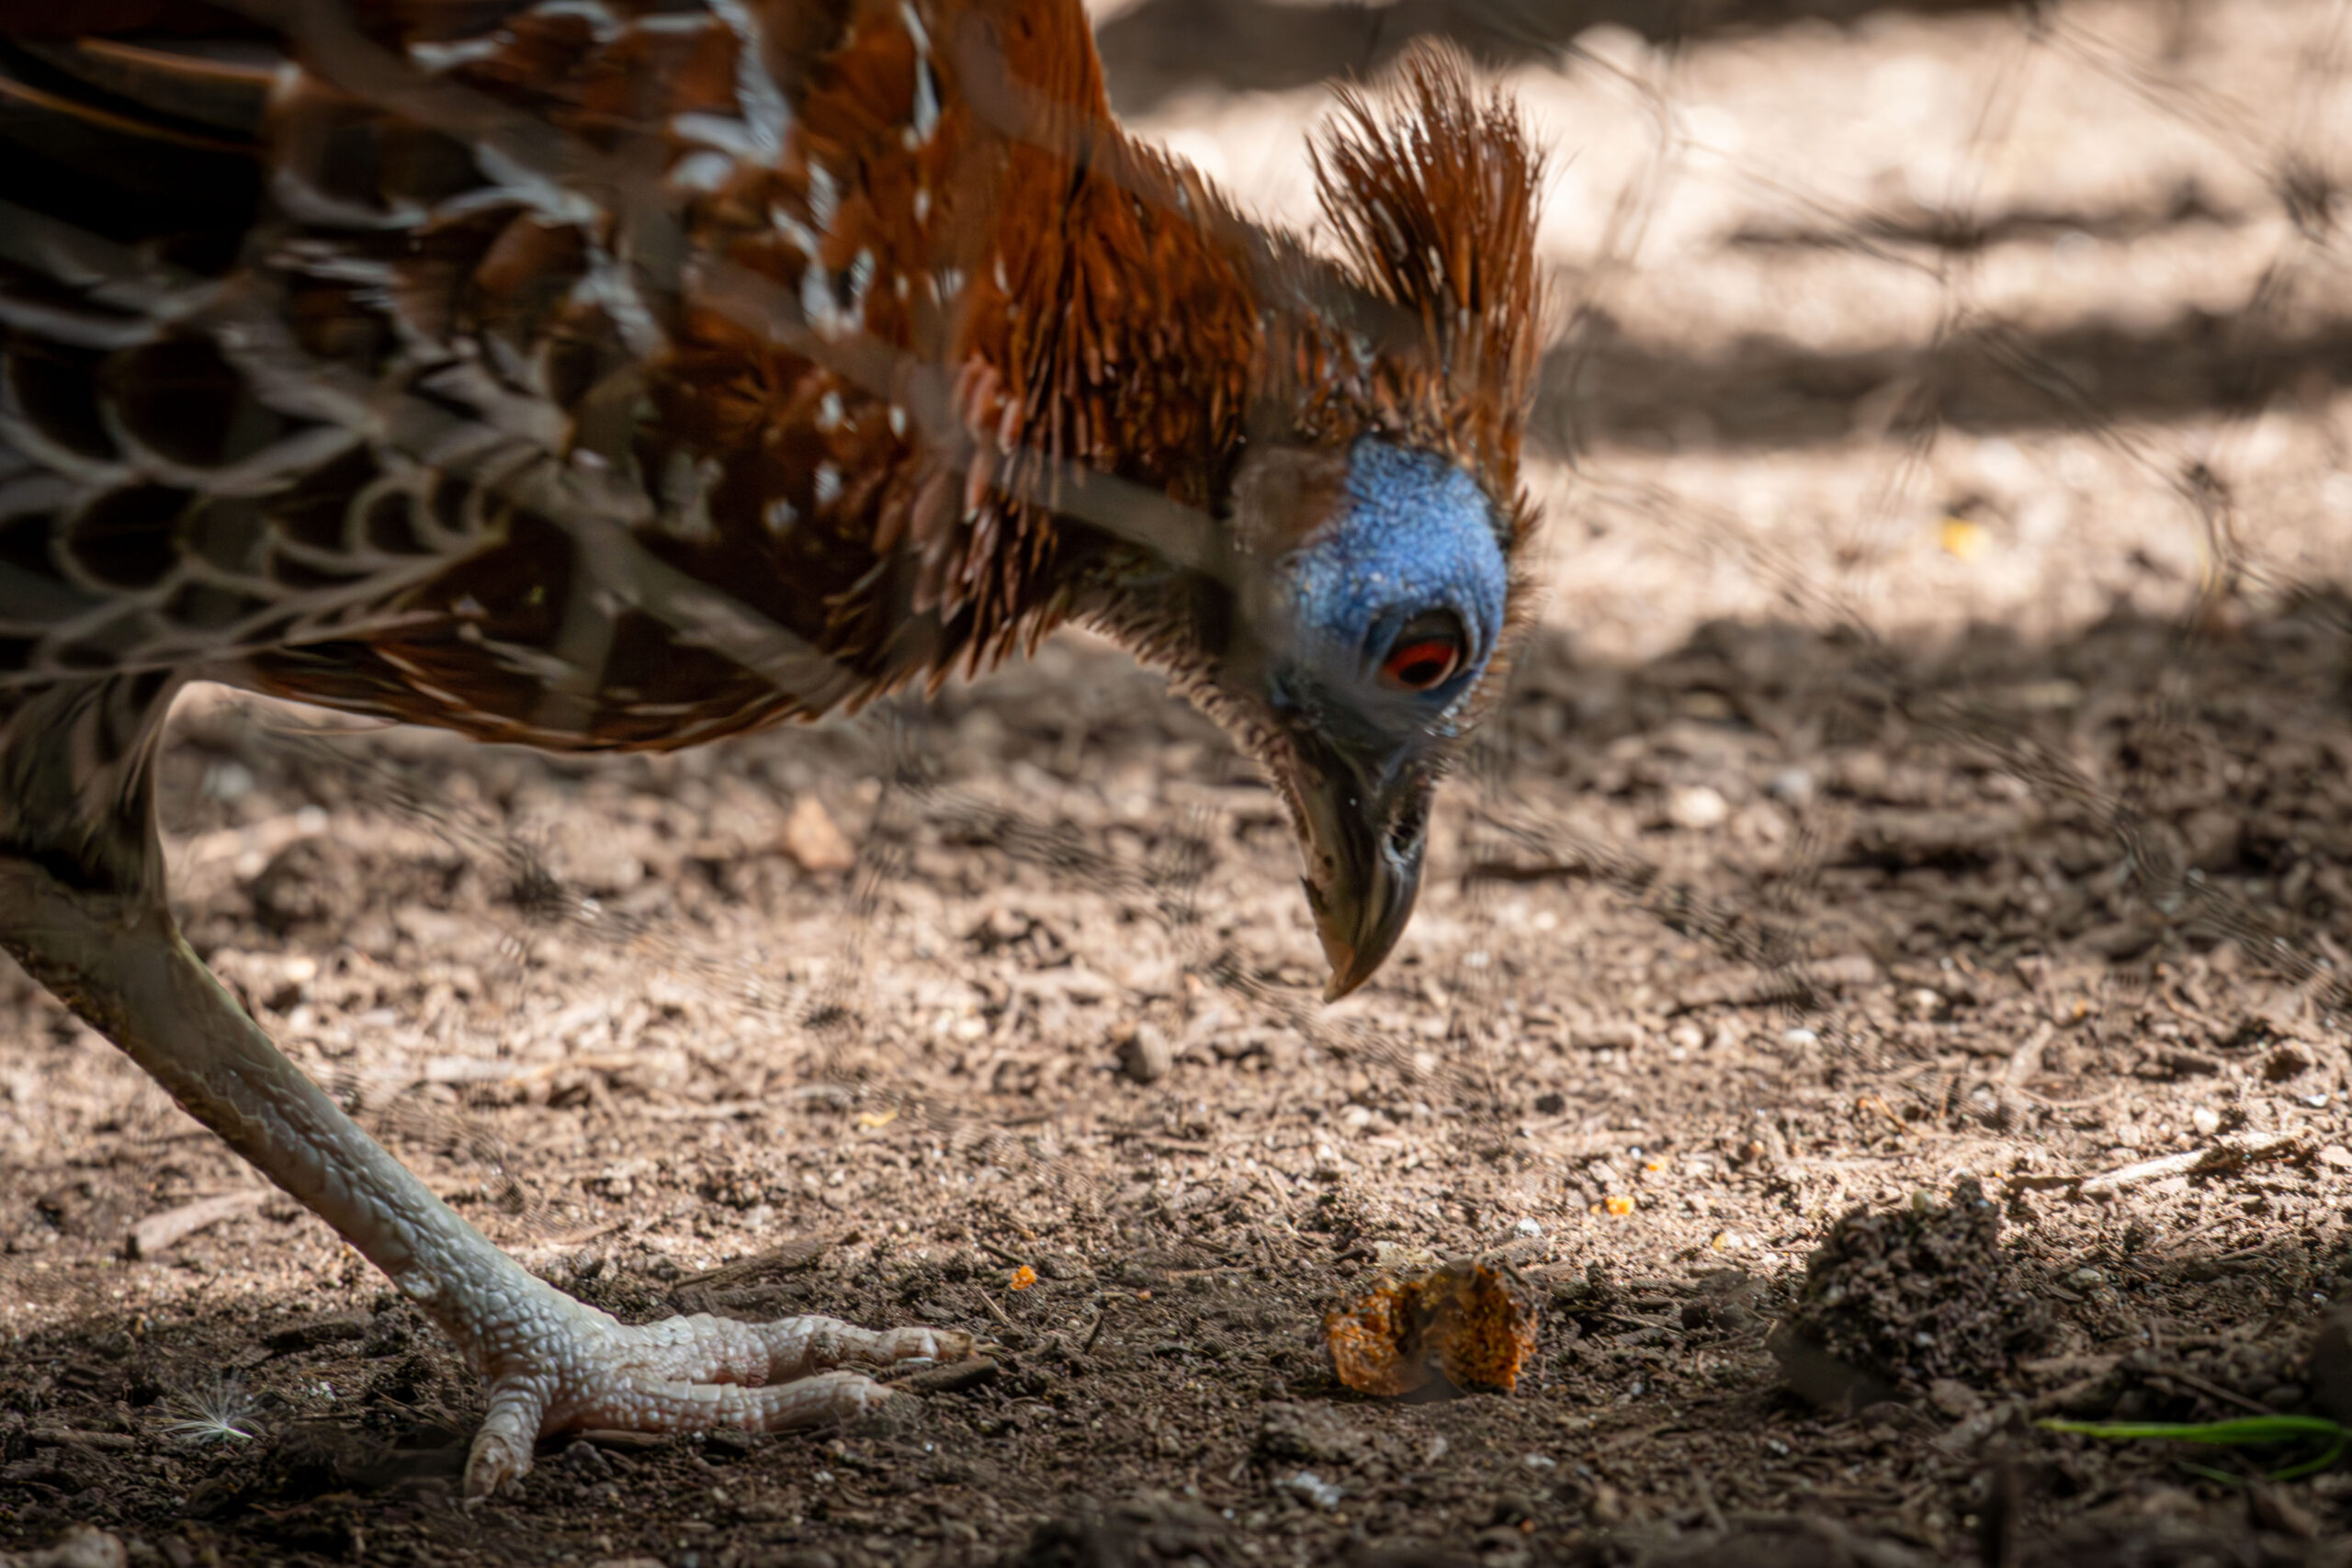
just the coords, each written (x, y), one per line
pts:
(502, 1451)
(936, 1344)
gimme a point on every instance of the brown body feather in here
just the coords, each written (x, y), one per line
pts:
(846, 383)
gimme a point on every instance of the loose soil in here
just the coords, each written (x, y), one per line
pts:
(1915, 841)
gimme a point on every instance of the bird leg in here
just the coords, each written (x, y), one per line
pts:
(102, 939)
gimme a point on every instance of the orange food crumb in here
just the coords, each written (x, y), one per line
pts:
(1470, 1323)
(1618, 1203)
(1962, 538)
(1023, 1277)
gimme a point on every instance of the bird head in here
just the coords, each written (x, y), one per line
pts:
(1339, 425)
(1371, 613)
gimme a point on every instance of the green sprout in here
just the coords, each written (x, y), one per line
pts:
(2245, 1432)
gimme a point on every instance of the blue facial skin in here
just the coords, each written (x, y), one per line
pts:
(1414, 534)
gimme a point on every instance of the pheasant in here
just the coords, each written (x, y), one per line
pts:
(626, 374)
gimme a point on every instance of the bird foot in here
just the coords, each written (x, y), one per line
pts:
(554, 1364)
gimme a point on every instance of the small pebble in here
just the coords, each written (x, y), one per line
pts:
(82, 1546)
(1791, 786)
(2206, 1120)
(1145, 1055)
(1696, 807)
(587, 1459)
(227, 782)
(812, 837)
(1529, 1226)
(1954, 1398)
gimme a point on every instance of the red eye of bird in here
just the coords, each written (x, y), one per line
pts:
(1425, 658)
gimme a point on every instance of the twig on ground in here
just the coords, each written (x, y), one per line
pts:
(2215, 1159)
(160, 1232)
(2024, 1065)
(2212, 1390)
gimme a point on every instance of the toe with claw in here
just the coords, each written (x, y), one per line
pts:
(558, 1365)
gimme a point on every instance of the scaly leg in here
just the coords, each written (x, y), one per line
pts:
(82, 908)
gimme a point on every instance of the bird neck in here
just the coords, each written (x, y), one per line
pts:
(1120, 318)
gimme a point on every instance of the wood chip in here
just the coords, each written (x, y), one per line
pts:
(951, 1378)
(2184, 1064)
(66, 1437)
(158, 1234)
(786, 1258)
(621, 1441)
(811, 839)
(309, 1333)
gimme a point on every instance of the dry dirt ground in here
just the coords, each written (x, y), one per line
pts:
(1926, 805)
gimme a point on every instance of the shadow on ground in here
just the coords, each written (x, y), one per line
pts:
(1162, 47)
(1722, 947)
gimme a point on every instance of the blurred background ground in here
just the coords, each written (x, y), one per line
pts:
(1933, 767)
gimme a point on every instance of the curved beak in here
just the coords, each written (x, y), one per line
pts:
(1363, 846)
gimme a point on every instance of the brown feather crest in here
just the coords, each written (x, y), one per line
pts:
(1435, 209)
